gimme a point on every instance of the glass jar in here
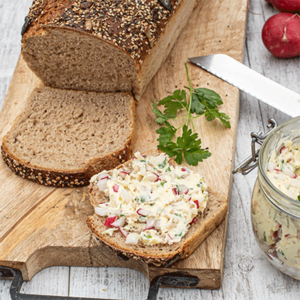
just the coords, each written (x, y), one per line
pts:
(276, 216)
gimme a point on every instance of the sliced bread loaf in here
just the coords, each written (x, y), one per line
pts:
(157, 254)
(64, 137)
(102, 46)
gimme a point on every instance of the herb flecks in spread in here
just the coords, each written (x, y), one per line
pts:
(154, 203)
(284, 168)
(279, 232)
(201, 101)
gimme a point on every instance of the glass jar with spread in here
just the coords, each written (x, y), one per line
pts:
(275, 205)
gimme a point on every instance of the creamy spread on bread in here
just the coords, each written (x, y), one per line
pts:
(280, 231)
(154, 203)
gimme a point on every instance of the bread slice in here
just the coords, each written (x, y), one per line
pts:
(102, 46)
(159, 255)
(64, 137)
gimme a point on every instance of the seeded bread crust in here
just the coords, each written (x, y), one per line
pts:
(76, 177)
(159, 255)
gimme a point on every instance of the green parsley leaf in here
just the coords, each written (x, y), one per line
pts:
(178, 215)
(166, 134)
(162, 183)
(298, 197)
(161, 118)
(151, 204)
(212, 99)
(196, 105)
(147, 236)
(211, 114)
(265, 238)
(180, 234)
(174, 103)
(143, 199)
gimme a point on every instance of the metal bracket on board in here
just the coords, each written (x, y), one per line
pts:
(169, 280)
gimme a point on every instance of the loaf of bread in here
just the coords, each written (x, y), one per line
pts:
(64, 137)
(159, 254)
(102, 46)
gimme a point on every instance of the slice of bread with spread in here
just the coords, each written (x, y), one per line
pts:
(151, 226)
(64, 137)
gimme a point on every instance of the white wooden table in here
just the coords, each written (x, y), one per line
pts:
(247, 275)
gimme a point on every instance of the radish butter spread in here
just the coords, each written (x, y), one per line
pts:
(154, 203)
(281, 232)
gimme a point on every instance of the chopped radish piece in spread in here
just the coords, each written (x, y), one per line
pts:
(175, 191)
(124, 232)
(194, 220)
(170, 237)
(157, 224)
(271, 167)
(101, 211)
(119, 223)
(289, 173)
(284, 150)
(111, 219)
(123, 174)
(132, 238)
(102, 183)
(152, 177)
(115, 188)
(184, 189)
(150, 223)
(197, 203)
(143, 212)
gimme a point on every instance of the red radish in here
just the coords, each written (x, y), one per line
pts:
(287, 235)
(292, 6)
(283, 150)
(132, 238)
(271, 167)
(110, 220)
(277, 170)
(101, 211)
(184, 189)
(115, 188)
(123, 174)
(153, 177)
(183, 169)
(143, 212)
(193, 221)
(157, 224)
(175, 191)
(281, 35)
(275, 234)
(150, 223)
(119, 223)
(144, 155)
(170, 237)
(289, 173)
(197, 203)
(124, 232)
(102, 182)
(102, 176)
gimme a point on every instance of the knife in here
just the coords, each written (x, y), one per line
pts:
(251, 82)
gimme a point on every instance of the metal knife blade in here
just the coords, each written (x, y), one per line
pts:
(251, 82)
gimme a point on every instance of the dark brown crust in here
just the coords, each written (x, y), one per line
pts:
(75, 178)
(209, 220)
(123, 27)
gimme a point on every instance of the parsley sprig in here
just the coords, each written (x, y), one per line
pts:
(201, 102)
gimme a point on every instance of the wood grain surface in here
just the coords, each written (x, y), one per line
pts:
(247, 275)
(44, 227)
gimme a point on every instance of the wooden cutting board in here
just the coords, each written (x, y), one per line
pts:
(43, 226)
